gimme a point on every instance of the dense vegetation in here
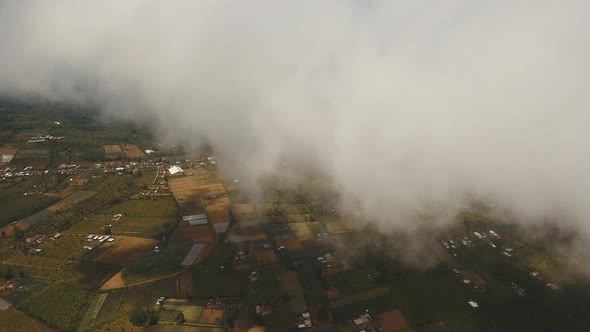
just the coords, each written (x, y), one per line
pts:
(60, 305)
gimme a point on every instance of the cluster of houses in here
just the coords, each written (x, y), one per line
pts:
(44, 138)
(537, 276)
(8, 172)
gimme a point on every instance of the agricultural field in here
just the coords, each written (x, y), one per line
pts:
(71, 200)
(92, 312)
(24, 288)
(306, 230)
(141, 217)
(67, 247)
(338, 226)
(183, 328)
(149, 227)
(197, 234)
(61, 305)
(14, 205)
(132, 151)
(93, 274)
(12, 320)
(243, 212)
(154, 207)
(215, 277)
(211, 316)
(192, 313)
(217, 210)
(209, 189)
(112, 151)
(360, 296)
(184, 284)
(393, 321)
(161, 264)
(183, 188)
(125, 251)
(44, 267)
(110, 306)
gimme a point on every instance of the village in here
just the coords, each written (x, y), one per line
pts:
(144, 236)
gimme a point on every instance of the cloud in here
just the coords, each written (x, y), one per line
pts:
(408, 105)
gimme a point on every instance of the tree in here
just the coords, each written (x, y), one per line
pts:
(137, 316)
(18, 234)
(180, 318)
(8, 275)
(153, 319)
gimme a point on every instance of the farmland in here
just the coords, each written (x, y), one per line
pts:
(132, 151)
(198, 234)
(12, 320)
(164, 263)
(112, 151)
(58, 305)
(126, 251)
(264, 257)
(12, 209)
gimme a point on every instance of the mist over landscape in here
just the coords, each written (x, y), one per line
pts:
(410, 107)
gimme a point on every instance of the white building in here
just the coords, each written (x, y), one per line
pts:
(175, 170)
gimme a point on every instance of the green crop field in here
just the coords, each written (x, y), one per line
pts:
(92, 312)
(306, 230)
(61, 305)
(14, 205)
(150, 207)
(151, 227)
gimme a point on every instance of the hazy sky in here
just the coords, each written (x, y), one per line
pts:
(408, 104)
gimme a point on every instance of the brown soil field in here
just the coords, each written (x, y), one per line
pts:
(82, 180)
(246, 234)
(8, 230)
(211, 316)
(190, 206)
(198, 234)
(360, 296)
(126, 250)
(243, 212)
(210, 188)
(115, 282)
(184, 284)
(218, 217)
(10, 152)
(265, 256)
(243, 208)
(183, 188)
(322, 317)
(12, 320)
(112, 151)
(290, 244)
(393, 321)
(132, 151)
(218, 210)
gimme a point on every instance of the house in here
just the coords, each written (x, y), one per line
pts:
(175, 170)
(35, 238)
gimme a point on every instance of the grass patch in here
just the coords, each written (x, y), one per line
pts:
(92, 312)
